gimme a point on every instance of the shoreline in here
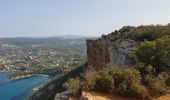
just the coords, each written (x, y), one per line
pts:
(27, 88)
(23, 76)
(27, 76)
(4, 71)
(8, 71)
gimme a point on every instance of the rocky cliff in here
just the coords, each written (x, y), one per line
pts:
(109, 50)
(97, 53)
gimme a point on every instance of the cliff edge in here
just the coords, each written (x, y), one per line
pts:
(110, 50)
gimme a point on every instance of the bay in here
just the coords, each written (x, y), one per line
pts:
(19, 89)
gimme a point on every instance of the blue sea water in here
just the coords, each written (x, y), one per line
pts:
(18, 89)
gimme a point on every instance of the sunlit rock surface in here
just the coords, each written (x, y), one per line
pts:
(109, 50)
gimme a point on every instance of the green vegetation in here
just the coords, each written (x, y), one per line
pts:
(73, 85)
(152, 59)
(104, 83)
(156, 53)
(126, 82)
(168, 81)
(147, 78)
(47, 93)
(150, 32)
(156, 85)
(150, 75)
(49, 56)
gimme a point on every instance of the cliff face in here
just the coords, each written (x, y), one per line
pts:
(97, 53)
(109, 50)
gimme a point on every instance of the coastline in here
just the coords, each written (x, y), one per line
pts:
(14, 86)
(27, 76)
(4, 71)
(23, 76)
(7, 71)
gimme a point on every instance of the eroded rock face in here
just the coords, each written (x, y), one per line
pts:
(97, 53)
(109, 50)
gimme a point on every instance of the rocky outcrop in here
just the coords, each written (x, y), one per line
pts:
(109, 50)
(63, 96)
(97, 53)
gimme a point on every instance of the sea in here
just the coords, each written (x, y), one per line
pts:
(19, 89)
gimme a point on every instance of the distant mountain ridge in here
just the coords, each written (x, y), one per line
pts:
(53, 36)
(54, 41)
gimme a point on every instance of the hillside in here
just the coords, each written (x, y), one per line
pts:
(48, 91)
(132, 62)
(113, 49)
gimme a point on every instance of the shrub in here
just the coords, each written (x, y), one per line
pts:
(146, 52)
(168, 81)
(73, 85)
(156, 85)
(137, 90)
(163, 53)
(128, 83)
(104, 83)
(122, 89)
(150, 32)
(134, 90)
(128, 76)
(144, 70)
(90, 77)
(155, 53)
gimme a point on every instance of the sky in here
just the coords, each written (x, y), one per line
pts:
(36, 18)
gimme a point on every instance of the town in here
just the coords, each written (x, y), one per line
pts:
(38, 57)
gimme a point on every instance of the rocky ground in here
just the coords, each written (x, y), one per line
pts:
(91, 95)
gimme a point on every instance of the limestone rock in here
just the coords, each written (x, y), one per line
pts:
(63, 96)
(109, 50)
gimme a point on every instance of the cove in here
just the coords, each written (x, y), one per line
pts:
(19, 89)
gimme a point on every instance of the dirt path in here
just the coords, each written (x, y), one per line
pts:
(91, 95)
(166, 97)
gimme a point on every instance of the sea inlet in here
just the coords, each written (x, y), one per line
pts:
(19, 89)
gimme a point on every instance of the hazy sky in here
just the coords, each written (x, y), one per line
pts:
(78, 17)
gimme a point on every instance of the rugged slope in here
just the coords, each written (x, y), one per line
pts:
(109, 50)
(48, 91)
(112, 49)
